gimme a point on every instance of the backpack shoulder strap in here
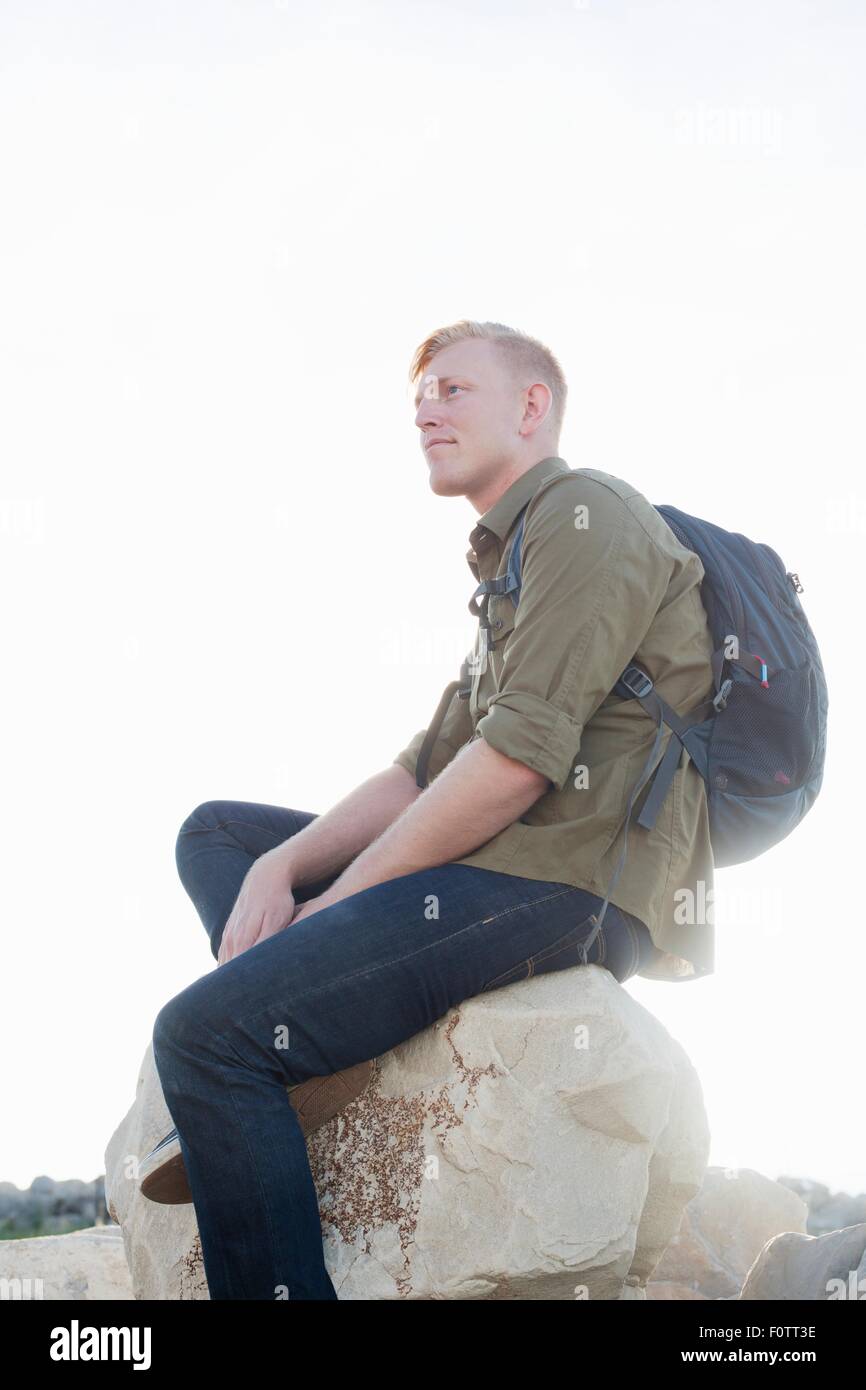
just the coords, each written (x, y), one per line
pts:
(433, 732)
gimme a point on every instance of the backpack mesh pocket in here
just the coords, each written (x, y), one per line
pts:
(761, 744)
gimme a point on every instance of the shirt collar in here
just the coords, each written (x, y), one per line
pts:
(499, 518)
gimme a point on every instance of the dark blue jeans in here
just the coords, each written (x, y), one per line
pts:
(340, 987)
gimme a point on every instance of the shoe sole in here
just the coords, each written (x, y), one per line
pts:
(315, 1102)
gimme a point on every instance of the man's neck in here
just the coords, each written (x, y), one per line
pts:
(495, 488)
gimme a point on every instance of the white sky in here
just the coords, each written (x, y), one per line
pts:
(225, 227)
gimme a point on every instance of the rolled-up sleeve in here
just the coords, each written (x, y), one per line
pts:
(589, 595)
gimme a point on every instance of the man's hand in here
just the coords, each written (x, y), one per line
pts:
(265, 905)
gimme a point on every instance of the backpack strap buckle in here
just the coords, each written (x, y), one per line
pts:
(645, 684)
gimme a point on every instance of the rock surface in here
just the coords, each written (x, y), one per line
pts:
(85, 1265)
(819, 1268)
(538, 1142)
(724, 1229)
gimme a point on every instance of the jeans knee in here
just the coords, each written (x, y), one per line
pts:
(202, 819)
(179, 1025)
(165, 1026)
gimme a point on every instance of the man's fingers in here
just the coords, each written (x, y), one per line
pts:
(227, 945)
(246, 934)
(272, 922)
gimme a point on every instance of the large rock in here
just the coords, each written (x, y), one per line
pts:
(538, 1142)
(724, 1229)
(88, 1264)
(819, 1268)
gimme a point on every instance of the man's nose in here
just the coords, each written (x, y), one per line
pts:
(429, 413)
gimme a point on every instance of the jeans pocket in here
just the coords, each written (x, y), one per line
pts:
(509, 977)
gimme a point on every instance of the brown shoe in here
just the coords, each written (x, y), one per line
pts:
(316, 1101)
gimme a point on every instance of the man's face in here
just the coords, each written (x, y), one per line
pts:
(465, 396)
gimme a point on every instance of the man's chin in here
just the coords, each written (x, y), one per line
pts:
(446, 484)
(446, 481)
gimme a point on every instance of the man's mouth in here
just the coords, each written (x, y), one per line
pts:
(437, 442)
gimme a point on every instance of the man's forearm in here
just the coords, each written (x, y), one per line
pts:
(479, 793)
(332, 840)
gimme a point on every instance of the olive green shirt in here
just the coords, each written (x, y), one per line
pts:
(604, 582)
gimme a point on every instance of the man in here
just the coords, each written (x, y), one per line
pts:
(403, 902)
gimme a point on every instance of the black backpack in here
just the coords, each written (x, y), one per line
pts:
(760, 742)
